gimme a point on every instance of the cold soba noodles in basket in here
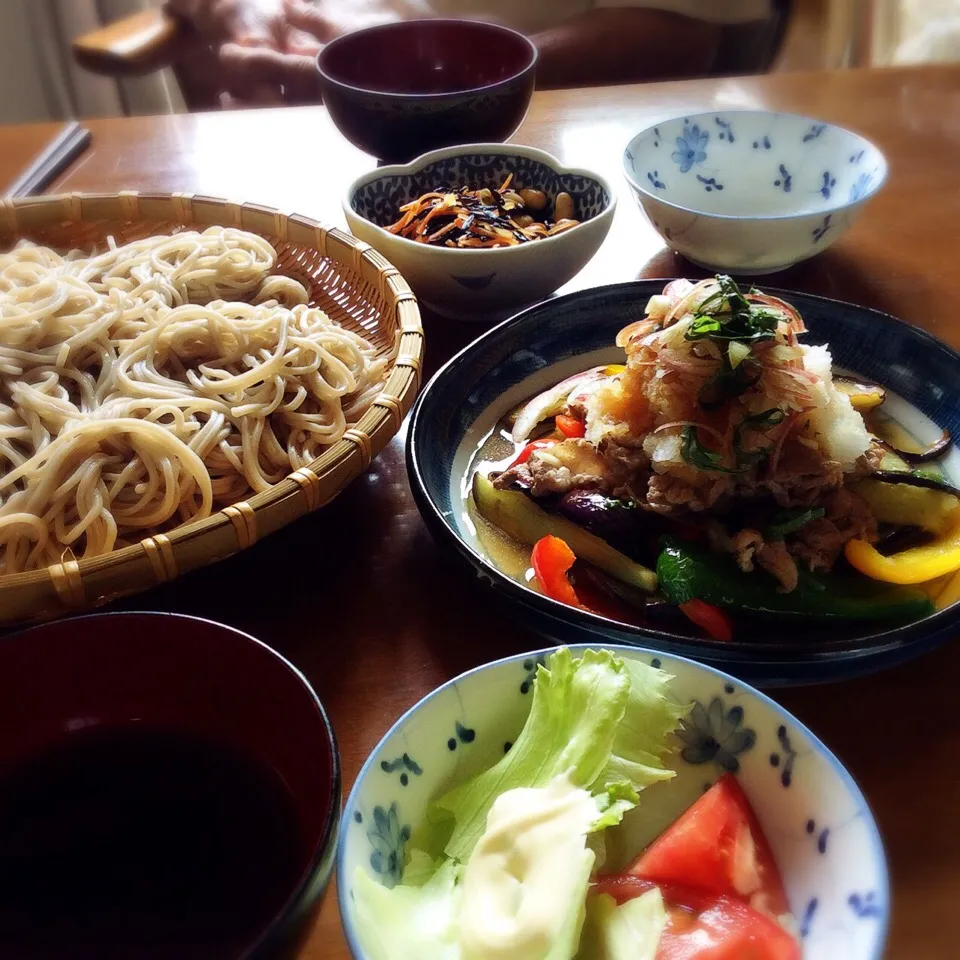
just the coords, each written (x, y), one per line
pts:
(151, 384)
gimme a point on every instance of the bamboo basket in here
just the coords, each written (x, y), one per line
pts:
(356, 287)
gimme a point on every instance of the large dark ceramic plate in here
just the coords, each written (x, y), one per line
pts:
(540, 346)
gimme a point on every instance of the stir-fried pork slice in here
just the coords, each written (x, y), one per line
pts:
(569, 465)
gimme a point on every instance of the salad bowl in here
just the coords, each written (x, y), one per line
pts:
(820, 829)
(463, 405)
(751, 191)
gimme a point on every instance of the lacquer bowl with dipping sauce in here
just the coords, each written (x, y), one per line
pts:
(822, 833)
(399, 89)
(751, 191)
(482, 284)
(170, 787)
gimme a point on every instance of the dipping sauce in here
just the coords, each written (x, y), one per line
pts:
(138, 843)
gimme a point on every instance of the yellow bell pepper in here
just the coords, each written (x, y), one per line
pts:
(950, 594)
(917, 565)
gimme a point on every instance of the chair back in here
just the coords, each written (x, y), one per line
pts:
(747, 48)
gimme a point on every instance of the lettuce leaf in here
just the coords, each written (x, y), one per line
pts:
(601, 720)
(641, 743)
(407, 921)
(628, 932)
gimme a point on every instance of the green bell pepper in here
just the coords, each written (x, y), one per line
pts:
(689, 572)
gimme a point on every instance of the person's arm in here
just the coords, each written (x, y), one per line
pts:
(624, 45)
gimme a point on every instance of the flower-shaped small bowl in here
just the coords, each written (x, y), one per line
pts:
(751, 191)
(481, 284)
(819, 825)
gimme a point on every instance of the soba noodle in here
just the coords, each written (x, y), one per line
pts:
(148, 385)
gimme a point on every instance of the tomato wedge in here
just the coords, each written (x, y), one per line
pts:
(718, 847)
(551, 559)
(570, 427)
(727, 929)
(703, 926)
(712, 620)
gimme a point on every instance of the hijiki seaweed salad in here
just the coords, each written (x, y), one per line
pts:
(723, 472)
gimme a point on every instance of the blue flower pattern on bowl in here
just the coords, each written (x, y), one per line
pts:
(380, 200)
(838, 889)
(715, 734)
(388, 840)
(751, 188)
(691, 147)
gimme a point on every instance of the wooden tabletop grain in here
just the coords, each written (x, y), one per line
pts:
(898, 731)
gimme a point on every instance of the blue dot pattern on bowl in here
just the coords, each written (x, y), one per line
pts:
(380, 200)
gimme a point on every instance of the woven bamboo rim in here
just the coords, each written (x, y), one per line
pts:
(353, 283)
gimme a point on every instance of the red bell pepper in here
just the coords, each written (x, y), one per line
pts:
(551, 559)
(714, 621)
(570, 427)
(524, 454)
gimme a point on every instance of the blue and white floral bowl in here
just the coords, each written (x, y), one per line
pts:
(481, 284)
(751, 191)
(822, 832)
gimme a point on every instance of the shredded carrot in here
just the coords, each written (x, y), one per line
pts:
(475, 219)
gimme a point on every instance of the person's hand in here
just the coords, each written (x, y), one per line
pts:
(285, 67)
(264, 50)
(234, 21)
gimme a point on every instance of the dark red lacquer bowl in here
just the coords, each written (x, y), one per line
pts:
(401, 89)
(191, 676)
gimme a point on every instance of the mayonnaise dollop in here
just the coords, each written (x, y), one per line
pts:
(526, 871)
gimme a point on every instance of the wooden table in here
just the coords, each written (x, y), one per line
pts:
(369, 661)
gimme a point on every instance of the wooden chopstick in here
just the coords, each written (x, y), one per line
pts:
(58, 154)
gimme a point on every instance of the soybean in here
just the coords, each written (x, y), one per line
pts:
(534, 199)
(563, 208)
